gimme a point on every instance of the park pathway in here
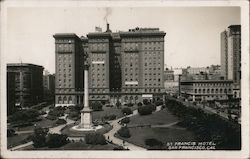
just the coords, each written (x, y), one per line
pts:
(57, 129)
(21, 146)
(116, 126)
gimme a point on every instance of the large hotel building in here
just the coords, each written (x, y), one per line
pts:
(125, 66)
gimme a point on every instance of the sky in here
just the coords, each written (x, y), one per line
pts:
(192, 33)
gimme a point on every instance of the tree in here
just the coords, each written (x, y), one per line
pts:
(124, 132)
(56, 140)
(145, 101)
(39, 137)
(96, 106)
(118, 104)
(11, 132)
(139, 104)
(24, 115)
(127, 111)
(145, 110)
(60, 121)
(125, 120)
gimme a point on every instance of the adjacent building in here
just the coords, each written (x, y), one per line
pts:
(207, 90)
(11, 96)
(49, 86)
(28, 82)
(126, 66)
(231, 56)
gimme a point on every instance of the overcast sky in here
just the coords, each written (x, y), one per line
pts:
(192, 34)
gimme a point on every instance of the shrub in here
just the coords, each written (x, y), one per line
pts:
(130, 104)
(157, 103)
(22, 124)
(10, 132)
(152, 106)
(60, 121)
(145, 110)
(50, 117)
(118, 104)
(125, 120)
(145, 101)
(57, 111)
(126, 111)
(39, 137)
(124, 132)
(153, 142)
(24, 115)
(139, 104)
(56, 140)
(95, 139)
(96, 106)
(118, 148)
(74, 114)
(110, 117)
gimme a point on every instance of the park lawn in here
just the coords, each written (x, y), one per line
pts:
(17, 140)
(158, 118)
(43, 123)
(107, 111)
(111, 110)
(138, 135)
(75, 146)
(84, 146)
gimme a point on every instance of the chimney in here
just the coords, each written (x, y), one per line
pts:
(108, 30)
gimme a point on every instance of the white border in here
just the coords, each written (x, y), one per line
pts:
(244, 153)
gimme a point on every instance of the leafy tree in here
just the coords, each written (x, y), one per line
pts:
(24, 115)
(39, 137)
(11, 132)
(124, 132)
(56, 140)
(96, 106)
(145, 101)
(130, 105)
(139, 104)
(60, 121)
(118, 104)
(125, 120)
(145, 110)
(126, 111)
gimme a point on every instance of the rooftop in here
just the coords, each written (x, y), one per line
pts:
(23, 65)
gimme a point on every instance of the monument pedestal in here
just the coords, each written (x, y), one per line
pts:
(86, 119)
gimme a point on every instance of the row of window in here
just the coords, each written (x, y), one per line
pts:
(211, 85)
(212, 90)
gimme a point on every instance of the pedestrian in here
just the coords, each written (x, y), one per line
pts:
(123, 142)
(108, 137)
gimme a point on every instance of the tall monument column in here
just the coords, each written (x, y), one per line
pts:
(86, 117)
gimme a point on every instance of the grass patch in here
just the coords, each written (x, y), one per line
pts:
(139, 135)
(76, 146)
(105, 112)
(157, 118)
(43, 123)
(18, 140)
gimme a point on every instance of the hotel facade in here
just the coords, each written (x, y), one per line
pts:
(123, 66)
